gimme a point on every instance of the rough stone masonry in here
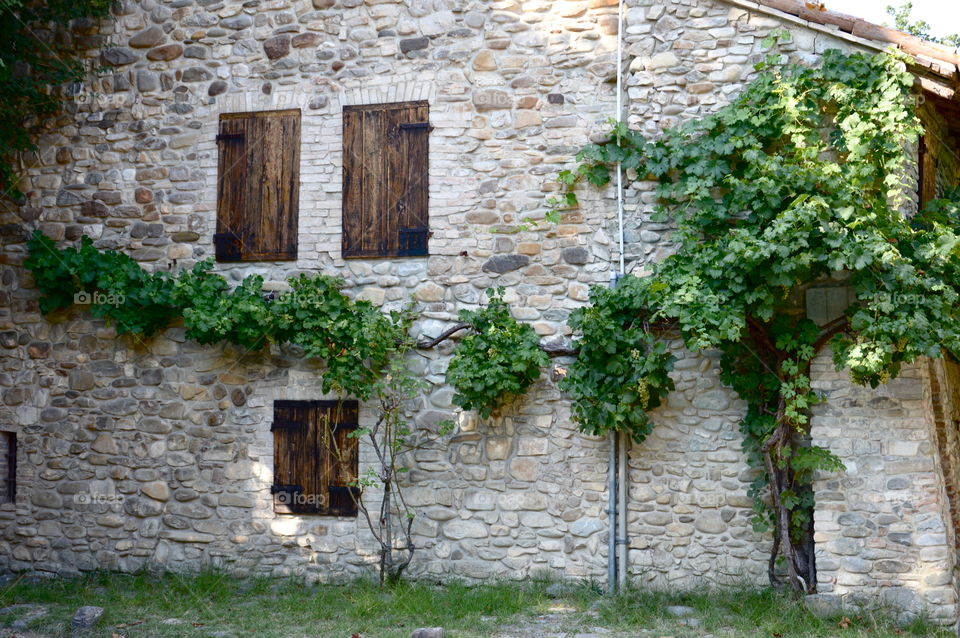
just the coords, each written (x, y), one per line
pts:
(159, 453)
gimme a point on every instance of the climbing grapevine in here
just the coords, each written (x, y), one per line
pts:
(497, 361)
(620, 372)
(801, 178)
(353, 338)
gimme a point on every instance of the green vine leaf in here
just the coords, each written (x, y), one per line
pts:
(354, 339)
(497, 361)
(799, 180)
(622, 369)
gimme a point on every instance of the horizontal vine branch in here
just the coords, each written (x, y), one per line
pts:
(426, 344)
(352, 337)
(559, 351)
(550, 349)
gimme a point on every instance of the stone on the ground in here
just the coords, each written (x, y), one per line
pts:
(823, 605)
(680, 611)
(556, 590)
(906, 618)
(86, 617)
(32, 613)
(427, 632)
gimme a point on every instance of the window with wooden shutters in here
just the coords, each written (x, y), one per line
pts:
(258, 186)
(385, 180)
(8, 467)
(315, 460)
(927, 182)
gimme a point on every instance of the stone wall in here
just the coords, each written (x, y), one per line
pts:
(158, 453)
(690, 518)
(882, 525)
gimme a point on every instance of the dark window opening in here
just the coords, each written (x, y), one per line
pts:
(927, 178)
(8, 467)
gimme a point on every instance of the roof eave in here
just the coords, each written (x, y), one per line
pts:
(930, 59)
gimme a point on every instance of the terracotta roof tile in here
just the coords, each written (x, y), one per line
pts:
(939, 59)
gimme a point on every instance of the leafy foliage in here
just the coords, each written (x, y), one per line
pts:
(72, 273)
(212, 313)
(621, 370)
(354, 339)
(36, 57)
(499, 360)
(801, 177)
(903, 21)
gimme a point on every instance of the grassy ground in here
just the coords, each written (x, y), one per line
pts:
(216, 605)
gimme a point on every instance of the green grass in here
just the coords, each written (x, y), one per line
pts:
(214, 603)
(754, 612)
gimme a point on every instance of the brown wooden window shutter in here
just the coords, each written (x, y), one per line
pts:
(315, 460)
(927, 179)
(258, 186)
(386, 180)
(8, 467)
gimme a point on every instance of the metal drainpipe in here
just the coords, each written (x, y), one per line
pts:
(612, 515)
(617, 486)
(622, 511)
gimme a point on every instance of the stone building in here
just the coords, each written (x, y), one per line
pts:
(160, 453)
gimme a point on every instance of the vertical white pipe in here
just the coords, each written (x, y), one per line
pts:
(619, 116)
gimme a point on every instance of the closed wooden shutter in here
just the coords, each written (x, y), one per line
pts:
(386, 180)
(316, 461)
(8, 467)
(928, 174)
(336, 421)
(293, 455)
(258, 186)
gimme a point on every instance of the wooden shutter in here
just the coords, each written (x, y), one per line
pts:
(386, 180)
(315, 459)
(258, 186)
(292, 455)
(8, 460)
(927, 182)
(336, 421)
